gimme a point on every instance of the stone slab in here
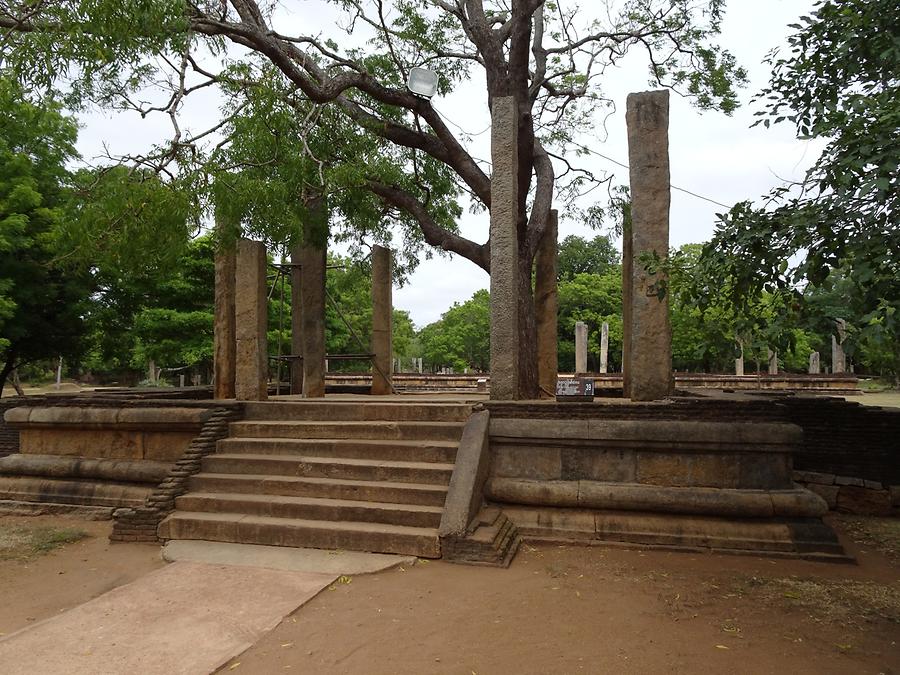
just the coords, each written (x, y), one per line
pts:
(504, 249)
(186, 618)
(307, 560)
(814, 477)
(650, 356)
(827, 492)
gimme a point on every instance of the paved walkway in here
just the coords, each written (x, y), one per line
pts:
(186, 618)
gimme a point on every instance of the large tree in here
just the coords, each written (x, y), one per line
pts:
(41, 301)
(548, 56)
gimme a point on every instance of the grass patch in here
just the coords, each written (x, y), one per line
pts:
(843, 602)
(21, 542)
(882, 534)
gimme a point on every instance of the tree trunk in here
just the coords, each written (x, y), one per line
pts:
(528, 369)
(8, 367)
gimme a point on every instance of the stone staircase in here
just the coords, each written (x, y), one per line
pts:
(334, 475)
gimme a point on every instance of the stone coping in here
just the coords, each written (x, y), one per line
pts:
(91, 417)
(664, 435)
(54, 466)
(732, 503)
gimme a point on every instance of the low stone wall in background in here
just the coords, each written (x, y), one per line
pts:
(852, 495)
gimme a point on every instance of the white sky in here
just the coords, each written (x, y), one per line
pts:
(711, 154)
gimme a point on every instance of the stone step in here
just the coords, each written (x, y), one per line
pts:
(75, 491)
(357, 411)
(436, 431)
(329, 467)
(312, 508)
(353, 536)
(411, 451)
(331, 488)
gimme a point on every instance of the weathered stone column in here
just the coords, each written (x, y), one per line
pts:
(650, 357)
(296, 321)
(312, 318)
(251, 316)
(581, 339)
(814, 364)
(504, 250)
(546, 307)
(838, 358)
(381, 320)
(627, 295)
(739, 361)
(773, 362)
(604, 347)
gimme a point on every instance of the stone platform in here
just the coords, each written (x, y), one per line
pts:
(683, 474)
(90, 460)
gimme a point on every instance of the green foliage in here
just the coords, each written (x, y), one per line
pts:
(41, 305)
(594, 299)
(838, 83)
(581, 256)
(460, 339)
(127, 220)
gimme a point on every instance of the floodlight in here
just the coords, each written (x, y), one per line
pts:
(422, 82)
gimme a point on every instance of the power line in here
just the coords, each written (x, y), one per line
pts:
(593, 152)
(674, 187)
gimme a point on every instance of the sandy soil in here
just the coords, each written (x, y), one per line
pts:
(556, 610)
(592, 610)
(37, 589)
(888, 399)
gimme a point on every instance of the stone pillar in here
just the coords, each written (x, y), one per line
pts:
(739, 365)
(312, 318)
(604, 347)
(223, 326)
(650, 356)
(838, 358)
(296, 321)
(381, 320)
(250, 319)
(504, 249)
(546, 307)
(773, 362)
(581, 339)
(814, 364)
(627, 293)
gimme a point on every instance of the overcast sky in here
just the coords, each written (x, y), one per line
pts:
(711, 154)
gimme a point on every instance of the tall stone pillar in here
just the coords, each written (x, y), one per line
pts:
(739, 365)
(296, 321)
(546, 307)
(604, 347)
(581, 340)
(814, 364)
(627, 299)
(773, 362)
(838, 358)
(650, 356)
(381, 320)
(223, 327)
(312, 318)
(250, 319)
(504, 250)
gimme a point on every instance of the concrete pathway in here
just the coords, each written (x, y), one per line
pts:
(314, 560)
(186, 618)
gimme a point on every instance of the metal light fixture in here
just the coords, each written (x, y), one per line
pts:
(422, 82)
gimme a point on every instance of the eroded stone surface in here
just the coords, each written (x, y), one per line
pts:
(650, 355)
(251, 313)
(381, 320)
(504, 250)
(224, 338)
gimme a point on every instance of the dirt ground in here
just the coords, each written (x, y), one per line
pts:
(36, 587)
(555, 610)
(598, 610)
